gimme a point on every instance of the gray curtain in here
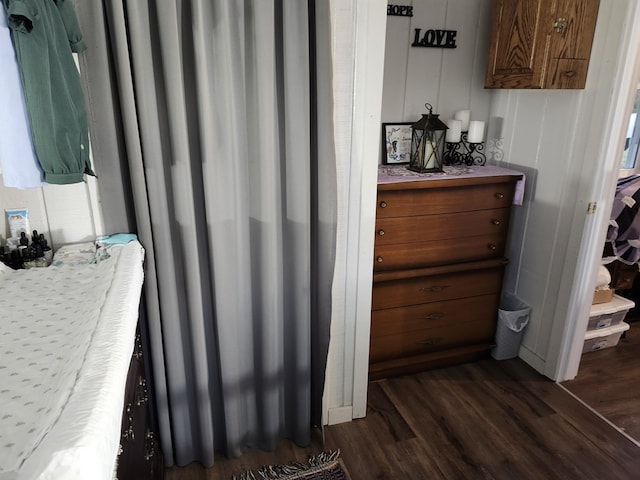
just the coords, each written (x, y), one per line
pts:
(210, 125)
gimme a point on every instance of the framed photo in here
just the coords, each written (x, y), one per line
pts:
(396, 143)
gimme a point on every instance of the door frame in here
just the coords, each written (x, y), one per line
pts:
(602, 192)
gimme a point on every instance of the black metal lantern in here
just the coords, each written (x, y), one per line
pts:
(427, 143)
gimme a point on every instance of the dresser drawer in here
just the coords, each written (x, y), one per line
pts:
(438, 252)
(434, 288)
(434, 201)
(435, 326)
(438, 227)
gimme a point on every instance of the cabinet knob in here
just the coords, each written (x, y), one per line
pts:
(491, 246)
(128, 434)
(381, 232)
(499, 195)
(559, 25)
(379, 259)
(383, 204)
(495, 221)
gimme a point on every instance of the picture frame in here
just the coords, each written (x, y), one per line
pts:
(396, 143)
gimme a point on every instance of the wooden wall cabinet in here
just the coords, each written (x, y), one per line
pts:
(540, 43)
(438, 269)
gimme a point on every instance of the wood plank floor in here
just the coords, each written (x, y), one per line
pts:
(484, 420)
(609, 381)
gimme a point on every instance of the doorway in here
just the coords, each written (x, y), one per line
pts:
(608, 379)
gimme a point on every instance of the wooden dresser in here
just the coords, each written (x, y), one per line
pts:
(438, 266)
(140, 456)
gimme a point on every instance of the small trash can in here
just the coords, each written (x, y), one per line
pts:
(513, 316)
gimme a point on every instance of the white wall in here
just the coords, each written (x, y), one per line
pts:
(64, 213)
(448, 79)
(555, 137)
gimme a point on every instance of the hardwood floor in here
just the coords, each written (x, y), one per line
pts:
(609, 381)
(484, 420)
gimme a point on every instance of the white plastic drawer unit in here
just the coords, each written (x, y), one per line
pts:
(603, 315)
(603, 337)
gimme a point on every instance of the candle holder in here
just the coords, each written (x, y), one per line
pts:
(427, 143)
(464, 152)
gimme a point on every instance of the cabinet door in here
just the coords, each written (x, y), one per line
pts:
(541, 43)
(519, 41)
(573, 25)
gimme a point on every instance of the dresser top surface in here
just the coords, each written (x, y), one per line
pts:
(391, 175)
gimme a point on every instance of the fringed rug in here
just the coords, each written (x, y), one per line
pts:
(323, 466)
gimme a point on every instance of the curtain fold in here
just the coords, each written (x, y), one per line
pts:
(211, 137)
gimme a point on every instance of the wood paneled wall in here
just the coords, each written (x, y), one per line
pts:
(448, 79)
(556, 138)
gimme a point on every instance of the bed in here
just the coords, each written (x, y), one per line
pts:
(67, 336)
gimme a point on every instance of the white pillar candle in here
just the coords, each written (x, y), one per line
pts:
(476, 131)
(454, 131)
(429, 155)
(463, 116)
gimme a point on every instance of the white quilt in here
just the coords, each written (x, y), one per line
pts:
(66, 336)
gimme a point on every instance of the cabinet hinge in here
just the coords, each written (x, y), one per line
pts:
(591, 208)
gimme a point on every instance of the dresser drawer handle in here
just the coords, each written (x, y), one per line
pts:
(434, 289)
(491, 246)
(433, 316)
(428, 341)
(499, 195)
(383, 204)
(379, 259)
(129, 434)
(381, 232)
(495, 221)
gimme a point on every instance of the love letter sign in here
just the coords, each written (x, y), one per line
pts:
(434, 38)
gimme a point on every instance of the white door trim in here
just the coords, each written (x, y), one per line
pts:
(603, 190)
